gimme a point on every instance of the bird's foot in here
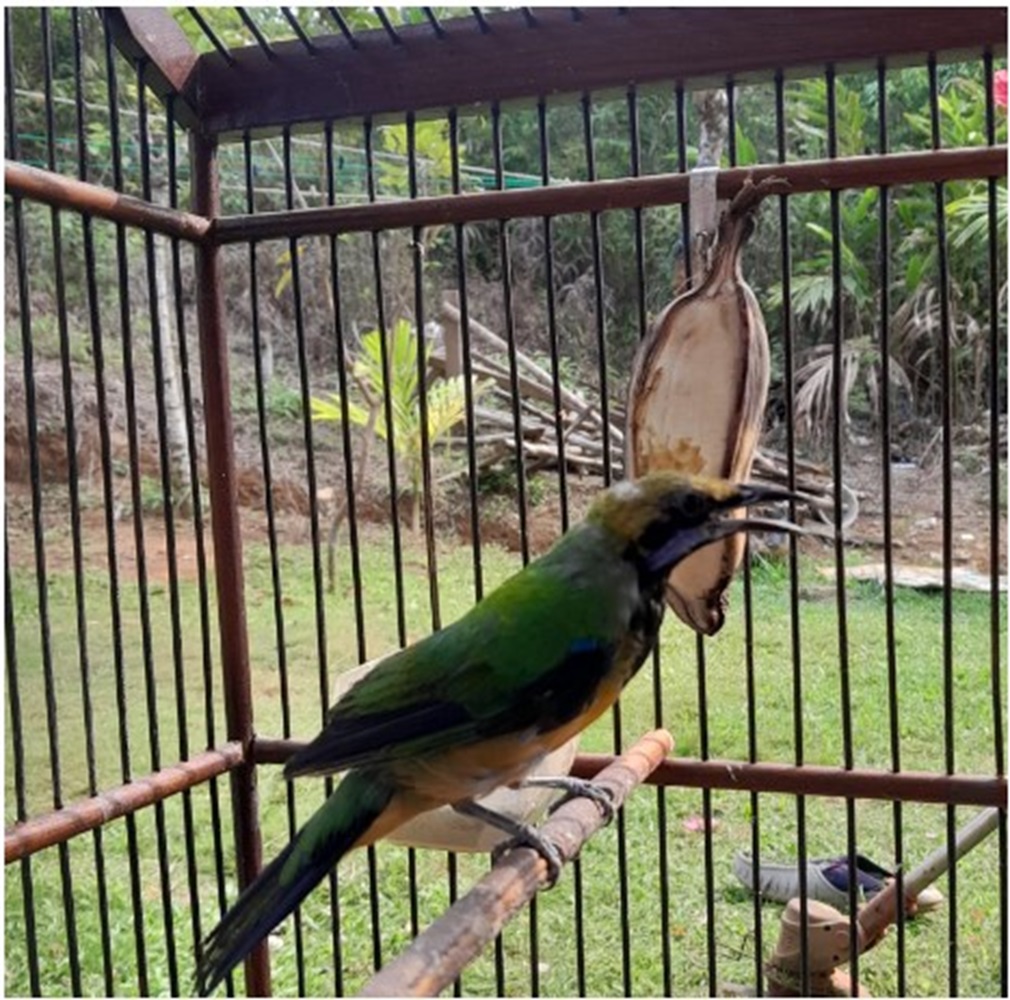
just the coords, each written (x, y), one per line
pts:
(520, 835)
(528, 836)
(575, 788)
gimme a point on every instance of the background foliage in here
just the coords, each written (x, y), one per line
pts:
(912, 213)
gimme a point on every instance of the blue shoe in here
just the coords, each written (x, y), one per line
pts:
(827, 881)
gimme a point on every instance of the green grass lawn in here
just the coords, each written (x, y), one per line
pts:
(920, 669)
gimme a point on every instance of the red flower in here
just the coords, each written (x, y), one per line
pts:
(999, 88)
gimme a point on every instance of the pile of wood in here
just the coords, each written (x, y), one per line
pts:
(582, 421)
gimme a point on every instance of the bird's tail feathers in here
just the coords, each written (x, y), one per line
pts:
(345, 817)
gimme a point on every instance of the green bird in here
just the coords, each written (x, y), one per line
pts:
(478, 704)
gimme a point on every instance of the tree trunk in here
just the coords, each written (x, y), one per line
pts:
(175, 412)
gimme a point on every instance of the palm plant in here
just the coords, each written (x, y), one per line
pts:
(915, 347)
(445, 402)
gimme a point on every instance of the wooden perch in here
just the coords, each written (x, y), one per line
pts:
(435, 958)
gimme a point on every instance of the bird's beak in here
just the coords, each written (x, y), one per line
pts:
(750, 495)
(689, 540)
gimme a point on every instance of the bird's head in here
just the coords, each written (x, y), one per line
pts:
(665, 516)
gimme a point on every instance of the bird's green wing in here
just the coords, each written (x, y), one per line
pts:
(529, 655)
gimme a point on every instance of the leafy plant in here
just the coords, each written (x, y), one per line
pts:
(969, 216)
(916, 341)
(444, 399)
(809, 118)
(860, 364)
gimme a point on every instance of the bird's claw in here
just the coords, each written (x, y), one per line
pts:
(576, 788)
(528, 837)
(602, 796)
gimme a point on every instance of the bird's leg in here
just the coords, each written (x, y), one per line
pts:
(520, 834)
(575, 788)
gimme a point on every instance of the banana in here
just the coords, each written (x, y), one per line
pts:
(697, 398)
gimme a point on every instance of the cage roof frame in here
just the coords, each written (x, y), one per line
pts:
(479, 58)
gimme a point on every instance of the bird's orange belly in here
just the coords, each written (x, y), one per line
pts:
(476, 769)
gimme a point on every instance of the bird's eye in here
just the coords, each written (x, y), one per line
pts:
(693, 506)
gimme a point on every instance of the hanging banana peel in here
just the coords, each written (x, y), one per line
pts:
(697, 399)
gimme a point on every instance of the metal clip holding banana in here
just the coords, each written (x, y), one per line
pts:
(478, 704)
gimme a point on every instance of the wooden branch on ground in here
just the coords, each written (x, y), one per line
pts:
(582, 423)
(537, 375)
(436, 957)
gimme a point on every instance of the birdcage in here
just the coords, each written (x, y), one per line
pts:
(214, 511)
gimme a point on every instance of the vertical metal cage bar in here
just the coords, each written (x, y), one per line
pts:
(680, 111)
(70, 428)
(708, 862)
(140, 550)
(69, 410)
(552, 316)
(291, 193)
(499, 943)
(268, 501)
(38, 532)
(427, 499)
(452, 874)
(947, 543)
(464, 332)
(195, 504)
(752, 756)
(534, 959)
(586, 107)
(750, 680)
(789, 391)
(598, 300)
(749, 664)
(995, 652)
(995, 235)
(197, 513)
(227, 543)
(108, 497)
(16, 732)
(352, 523)
(383, 328)
(662, 849)
(887, 503)
(161, 347)
(340, 345)
(427, 487)
(837, 456)
(635, 166)
(994, 401)
(708, 873)
(459, 245)
(10, 103)
(18, 744)
(129, 369)
(680, 108)
(510, 337)
(394, 493)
